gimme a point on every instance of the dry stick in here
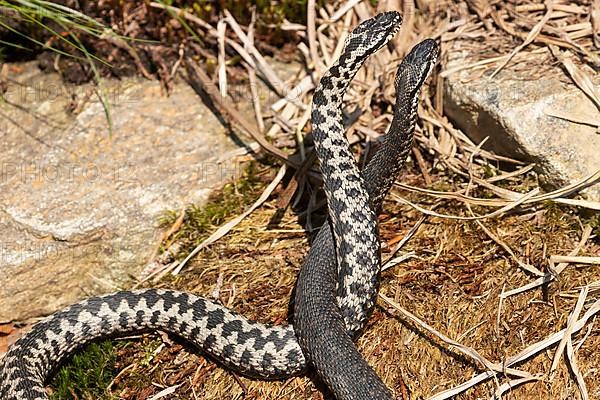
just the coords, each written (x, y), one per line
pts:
(530, 37)
(483, 63)
(363, 10)
(251, 26)
(523, 355)
(296, 182)
(592, 205)
(119, 42)
(299, 128)
(198, 76)
(266, 72)
(469, 200)
(513, 383)
(582, 80)
(255, 98)
(221, 26)
(341, 11)
(575, 259)
(527, 267)
(595, 19)
(204, 25)
(466, 350)
(506, 206)
(390, 261)
(311, 9)
(403, 40)
(554, 338)
(569, 329)
(253, 82)
(165, 392)
(570, 351)
(567, 190)
(539, 38)
(422, 166)
(587, 231)
(458, 195)
(323, 45)
(589, 180)
(272, 79)
(281, 120)
(294, 96)
(581, 119)
(468, 145)
(570, 38)
(342, 37)
(454, 196)
(500, 211)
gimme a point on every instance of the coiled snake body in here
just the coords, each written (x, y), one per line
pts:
(251, 348)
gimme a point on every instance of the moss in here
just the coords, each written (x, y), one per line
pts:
(88, 374)
(488, 171)
(593, 219)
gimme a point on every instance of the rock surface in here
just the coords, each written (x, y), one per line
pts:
(78, 207)
(518, 114)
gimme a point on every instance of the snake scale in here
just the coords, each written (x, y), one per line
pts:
(249, 347)
(338, 296)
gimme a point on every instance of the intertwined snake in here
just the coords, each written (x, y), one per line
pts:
(251, 348)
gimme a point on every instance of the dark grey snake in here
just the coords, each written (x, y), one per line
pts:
(338, 296)
(249, 347)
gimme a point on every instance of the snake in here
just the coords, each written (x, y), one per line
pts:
(251, 348)
(334, 294)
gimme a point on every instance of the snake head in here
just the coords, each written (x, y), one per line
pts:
(414, 70)
(374, 33)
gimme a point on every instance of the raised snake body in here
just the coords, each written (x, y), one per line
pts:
(249, 347)
(319, 288)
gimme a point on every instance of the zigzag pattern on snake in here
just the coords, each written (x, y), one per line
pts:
(341, 366)
(248, 347)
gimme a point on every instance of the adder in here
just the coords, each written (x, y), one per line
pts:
(248, 347)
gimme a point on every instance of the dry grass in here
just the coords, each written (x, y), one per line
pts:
(454, 284)
(460, 268)
(501, 236)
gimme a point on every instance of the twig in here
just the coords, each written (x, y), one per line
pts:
(272, 79)
(568, 330)
(203, 83)
(582, 80)
(224, 229)
(523, 355)
(585, 235)
(221, 26)
(311, 9)
(595, 18)
(466, 350)
(530, 37)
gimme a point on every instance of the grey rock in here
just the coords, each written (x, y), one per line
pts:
(79, 208)
(517, 113)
